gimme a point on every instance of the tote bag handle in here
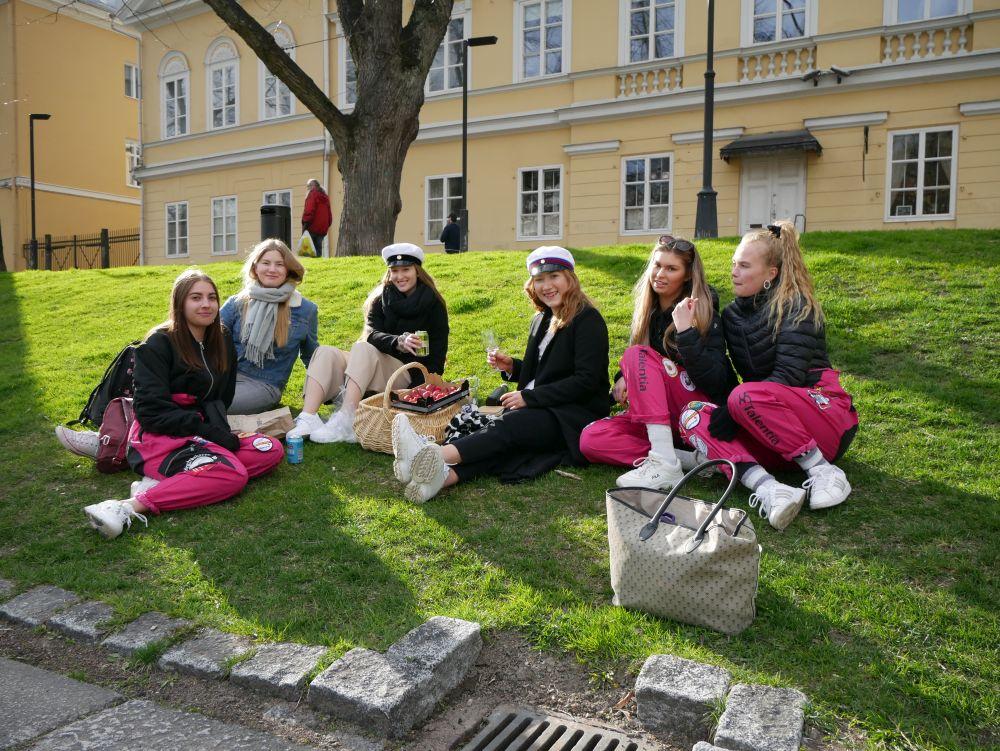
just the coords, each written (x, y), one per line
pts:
(650, 528)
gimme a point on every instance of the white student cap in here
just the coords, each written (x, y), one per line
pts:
(549, 258)
(403, 254)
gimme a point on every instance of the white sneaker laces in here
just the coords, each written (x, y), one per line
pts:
(126, 512)
(757, 501)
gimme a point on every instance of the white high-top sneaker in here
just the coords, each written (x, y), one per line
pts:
(406, 442)
(428, 472)
(777, 503)
(144, 484)
(109, 517)
(304, 425)
(827, 486)
(338, 429)
(654, 472)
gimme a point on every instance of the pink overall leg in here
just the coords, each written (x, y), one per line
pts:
(693, 426)
(614, 440)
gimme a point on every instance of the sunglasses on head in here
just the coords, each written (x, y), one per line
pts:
(673, 243)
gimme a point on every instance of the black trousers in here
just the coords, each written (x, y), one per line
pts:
(317, 239)
(522, 431)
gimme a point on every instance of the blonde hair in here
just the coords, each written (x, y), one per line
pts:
(296, 273)
(795, 286)
(646, 299)
(572, 303)
(422, 277)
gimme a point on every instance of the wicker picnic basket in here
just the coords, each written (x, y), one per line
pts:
(373, 419)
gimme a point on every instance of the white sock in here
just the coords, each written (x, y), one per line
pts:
(303, 413)
(687, 458)
(810, 459)
(661, 442)
(755, 476)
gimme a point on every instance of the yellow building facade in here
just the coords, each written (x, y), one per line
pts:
(586, 121)
(77, 63)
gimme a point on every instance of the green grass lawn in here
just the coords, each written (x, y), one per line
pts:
(884, 610)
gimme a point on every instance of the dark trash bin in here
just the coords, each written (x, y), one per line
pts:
(276, 221)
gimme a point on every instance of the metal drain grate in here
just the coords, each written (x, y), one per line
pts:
(514, 729)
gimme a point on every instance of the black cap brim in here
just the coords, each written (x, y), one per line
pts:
(402, 260)
(544, 267)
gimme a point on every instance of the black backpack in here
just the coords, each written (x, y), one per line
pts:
(117, 382)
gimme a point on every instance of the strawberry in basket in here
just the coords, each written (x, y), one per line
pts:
(428, 393)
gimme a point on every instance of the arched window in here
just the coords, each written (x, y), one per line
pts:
(276, 99)
(175, 95)
(222, 84)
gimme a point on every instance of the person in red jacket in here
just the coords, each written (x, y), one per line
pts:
(317, 216)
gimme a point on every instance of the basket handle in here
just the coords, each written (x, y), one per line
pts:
(396, 374)
(650, 527)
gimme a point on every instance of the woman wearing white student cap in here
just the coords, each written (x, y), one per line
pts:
(562, 386)
(405, 301)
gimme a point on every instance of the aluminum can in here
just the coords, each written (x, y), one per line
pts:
(293, 450)
(426, 349)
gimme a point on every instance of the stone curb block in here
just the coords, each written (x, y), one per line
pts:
(37, 605)
(278, 669)
(391, 693)
(206, 654)
(6, 588)
(148, 628)
(706, 746)
(675, 697)
(85, 621)
(761, 718)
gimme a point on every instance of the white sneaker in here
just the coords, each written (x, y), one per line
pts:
(108, 517)
(406, 442)
(777, 503)
(653, 472)
(305, 424)
(338, 429)
(144, 484)
(827, 486)
(80, 442)
(428, 472)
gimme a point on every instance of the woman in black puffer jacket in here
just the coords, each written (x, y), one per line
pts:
(790, 407)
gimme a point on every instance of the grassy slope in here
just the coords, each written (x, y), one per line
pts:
(883, 610)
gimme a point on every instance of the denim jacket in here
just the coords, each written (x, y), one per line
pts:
(303, 339)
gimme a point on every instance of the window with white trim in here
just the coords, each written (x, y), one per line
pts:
(907, 11)
(348, 76)
(921, 174)
(776, 20)
(133, 156)
(653, 29)
(444, 196)
(275, 97)
(646, 193)
(539, 202)
(131, 81)
(175, 88)
(177, 229)
(445, 73)
(278, 198)
(223, 225)
(222, 70)
(541, 45)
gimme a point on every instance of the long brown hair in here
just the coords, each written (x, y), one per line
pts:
(573, 301)
(176, 326)
(646, 300)
(296, 273)
(423, 277)
(795, 285)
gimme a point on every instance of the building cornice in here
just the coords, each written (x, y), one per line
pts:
(222, 160)
(845, 121)
(698, 136)
(25, 182)
(969, 109)
(103, 18)
(595, 147)
(163, 14)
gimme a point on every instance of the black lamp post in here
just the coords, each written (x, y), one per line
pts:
(464, 211)
(706, 223)
(33, 253)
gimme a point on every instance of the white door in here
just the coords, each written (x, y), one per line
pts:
(773, 188)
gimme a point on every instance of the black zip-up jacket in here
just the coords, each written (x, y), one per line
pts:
(795, 357)
(160, 372)
(387, 327)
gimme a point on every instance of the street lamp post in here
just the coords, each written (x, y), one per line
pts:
(706, 223)
(33, 252)
(464, 210)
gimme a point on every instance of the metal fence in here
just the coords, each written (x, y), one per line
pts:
(101, 250)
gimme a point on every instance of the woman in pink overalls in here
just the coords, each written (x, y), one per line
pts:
(790, 409)
(185, 378)
(676, 353)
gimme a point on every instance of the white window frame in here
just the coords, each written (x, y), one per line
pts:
(625, 33)
(890, 12)
(921, 160)
(746, 24)
(286, 40)
(343, 51)
(133, 158)
(436, 239)
(460, 12)
(177, 237)
(278, 192)
(567, 38)
(132, 85)
(222, 54)
(221, 201)
(646, 229)
(174, 69)
(541, 202)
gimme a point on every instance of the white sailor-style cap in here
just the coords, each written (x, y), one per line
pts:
(549, 258)
(403, 254)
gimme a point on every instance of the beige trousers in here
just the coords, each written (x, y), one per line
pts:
(365, 365)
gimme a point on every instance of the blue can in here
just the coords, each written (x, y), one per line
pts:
(294, 450)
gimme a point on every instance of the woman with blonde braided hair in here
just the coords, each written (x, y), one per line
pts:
(790, 409)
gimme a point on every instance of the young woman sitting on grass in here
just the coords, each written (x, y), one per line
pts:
(562, 385)
(404, 302)
(676, 353)
(185, 378)
(790, 409)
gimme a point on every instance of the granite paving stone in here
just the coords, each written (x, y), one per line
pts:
(37, 605)
(144, 726)
(207, 654)
(278, 669)
(762, 718)
(6, 588)
(675, 697)
(85, 621)
(706, 746)
(147, 629)
(35, 701)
